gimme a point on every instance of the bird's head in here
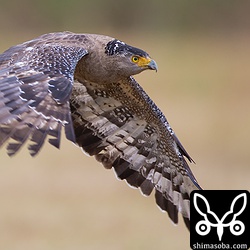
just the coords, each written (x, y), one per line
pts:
(114, 61)
(127, 59)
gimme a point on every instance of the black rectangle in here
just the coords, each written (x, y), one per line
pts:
(220, 219)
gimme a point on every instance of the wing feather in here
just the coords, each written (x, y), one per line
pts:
(121, 126)
(36, 81)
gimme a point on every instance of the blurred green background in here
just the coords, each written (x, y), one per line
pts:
(66, 200)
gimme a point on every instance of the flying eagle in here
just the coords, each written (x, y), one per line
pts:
(83, 84)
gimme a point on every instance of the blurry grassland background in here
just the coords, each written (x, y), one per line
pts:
(66, 200)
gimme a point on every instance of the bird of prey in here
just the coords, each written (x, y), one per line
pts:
(83, 84)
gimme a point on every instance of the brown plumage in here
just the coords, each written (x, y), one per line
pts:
(83, 83)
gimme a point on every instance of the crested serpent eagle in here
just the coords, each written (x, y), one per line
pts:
(83, 84)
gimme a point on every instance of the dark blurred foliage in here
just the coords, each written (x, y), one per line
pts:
(36, 16)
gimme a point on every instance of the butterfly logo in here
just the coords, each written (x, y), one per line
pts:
(210, 219)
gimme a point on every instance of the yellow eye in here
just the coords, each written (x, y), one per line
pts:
(135, 59)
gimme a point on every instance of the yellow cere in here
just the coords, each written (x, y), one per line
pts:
(141, 61)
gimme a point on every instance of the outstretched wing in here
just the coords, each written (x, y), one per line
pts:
(36, 80)
(121, 126)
